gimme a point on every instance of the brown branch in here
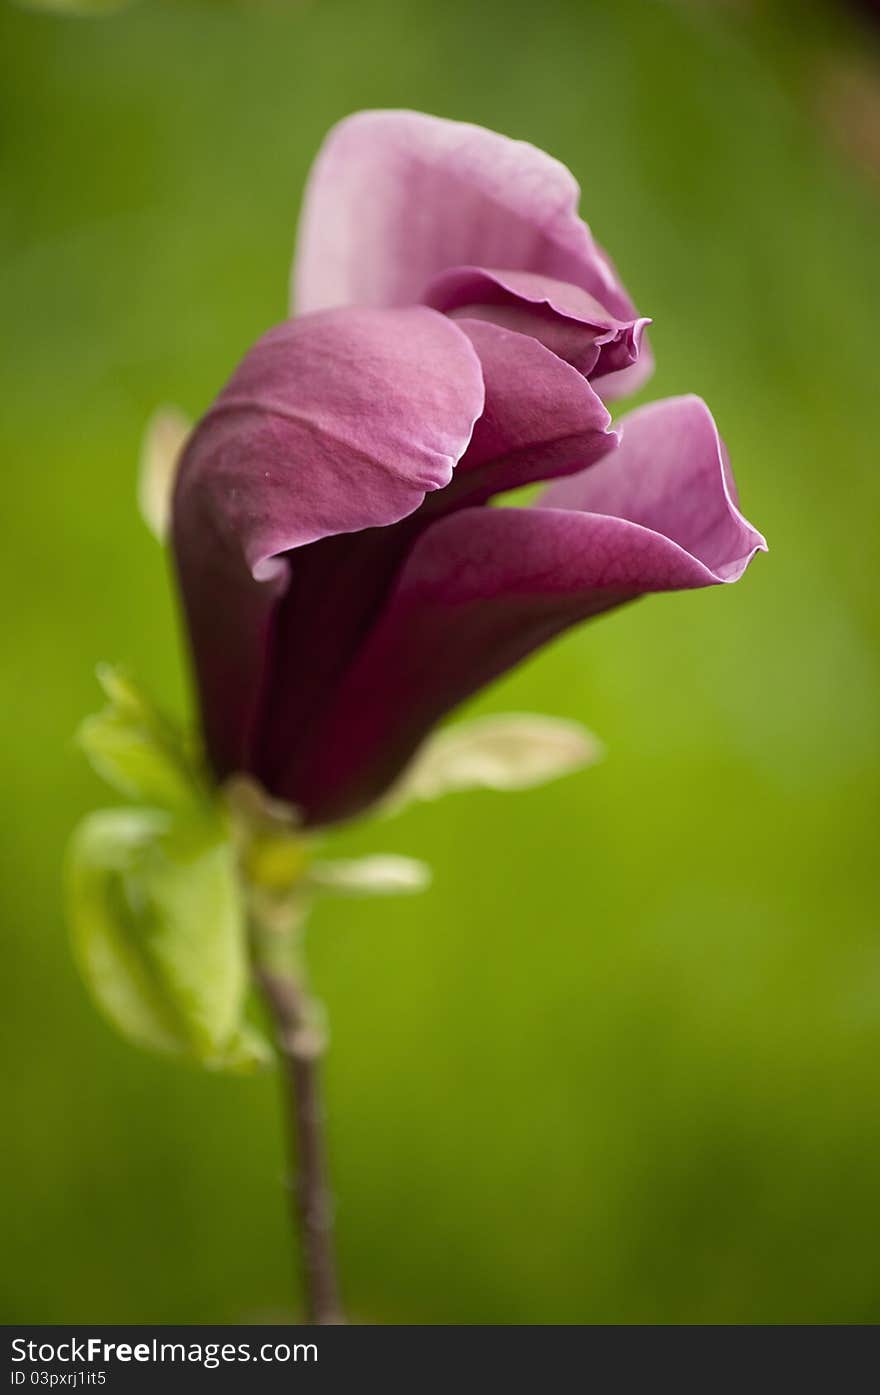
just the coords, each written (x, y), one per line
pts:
(301, 1044)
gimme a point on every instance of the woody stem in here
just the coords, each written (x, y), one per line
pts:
(300, 1044)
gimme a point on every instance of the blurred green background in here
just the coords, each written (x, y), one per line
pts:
(621, 1064)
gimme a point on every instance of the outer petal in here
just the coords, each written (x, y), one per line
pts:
(484, 587)
(541, 419)
(563, 317)
(332, 423)
(396, 197)
(671, 475)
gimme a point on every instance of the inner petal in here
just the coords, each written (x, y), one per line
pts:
(565, 318)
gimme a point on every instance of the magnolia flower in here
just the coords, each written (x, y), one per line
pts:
(458, 334)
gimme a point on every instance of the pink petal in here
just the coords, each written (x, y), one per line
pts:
(482, 588)
(396, 197)
(540, 419)
(671, 474)
(625, 381)
(332, 423)
(561, 316)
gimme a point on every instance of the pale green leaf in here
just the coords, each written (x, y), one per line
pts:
(246, 1052)
(158, 933)
(512, 752)
(136, 749)
(162, 446)
(384, 874)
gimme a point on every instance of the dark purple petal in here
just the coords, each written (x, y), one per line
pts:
(482, 588)
(332, 423)
(563, 317)
(396, 197)
(541, 420)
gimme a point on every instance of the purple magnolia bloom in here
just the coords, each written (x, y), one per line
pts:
(458, 334)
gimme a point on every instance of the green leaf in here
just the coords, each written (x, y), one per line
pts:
(382, 874)
(159, 934)
(137, 750)
(162, 446)
(515, 751)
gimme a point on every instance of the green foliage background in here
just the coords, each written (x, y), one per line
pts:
(621, 1064)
